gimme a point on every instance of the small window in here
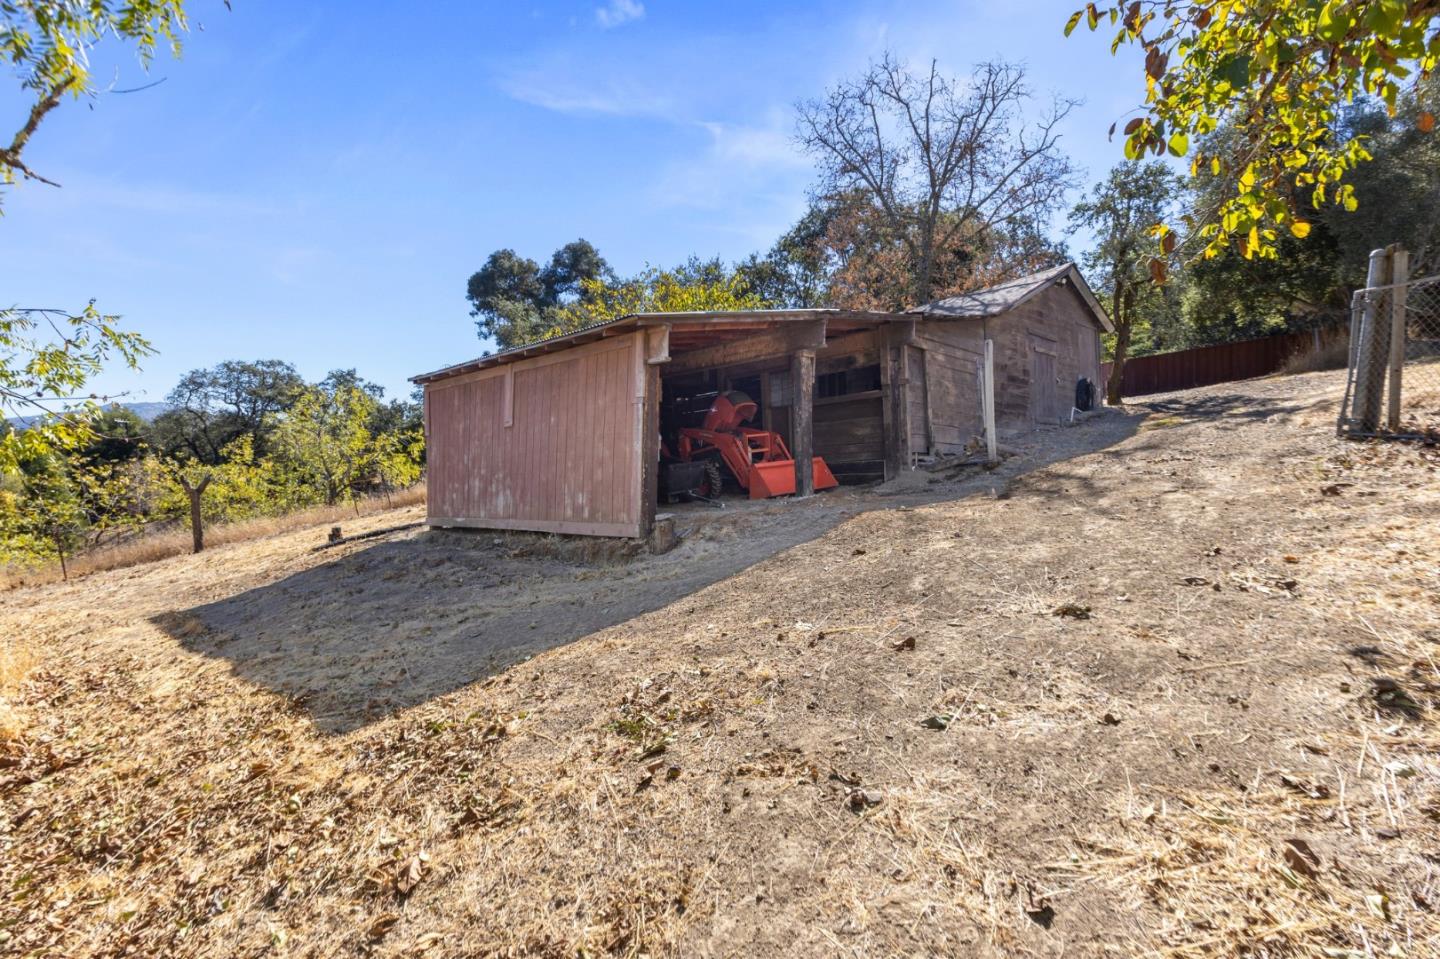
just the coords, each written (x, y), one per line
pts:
(862, 379)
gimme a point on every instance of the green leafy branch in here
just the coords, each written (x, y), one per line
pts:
(1280, 70)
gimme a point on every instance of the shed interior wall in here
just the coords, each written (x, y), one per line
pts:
(847, 427)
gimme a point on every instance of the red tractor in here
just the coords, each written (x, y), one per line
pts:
(758, 459)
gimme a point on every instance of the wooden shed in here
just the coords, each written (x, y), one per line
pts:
(565, 435)
(1045, 329)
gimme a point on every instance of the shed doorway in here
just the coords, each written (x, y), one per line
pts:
(1044, 392)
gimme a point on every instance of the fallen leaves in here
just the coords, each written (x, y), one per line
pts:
(1301, 858)
(1390, 694)
(381, 925)
(859, 800)
(409, 873)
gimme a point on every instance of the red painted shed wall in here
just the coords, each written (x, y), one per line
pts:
(551, 443)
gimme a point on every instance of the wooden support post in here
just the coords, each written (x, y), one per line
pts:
(649, 449)
(662, 537)
(1372, 349)
(802, 430)
(987, 401)
(1399, 276)
(897, 406)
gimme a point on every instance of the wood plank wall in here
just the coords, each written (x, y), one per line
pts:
(568, 460)
(1058, 316)
(1056, 322)
(848, 430)
(954, 358)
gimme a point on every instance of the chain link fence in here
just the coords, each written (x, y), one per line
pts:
(1393, 387)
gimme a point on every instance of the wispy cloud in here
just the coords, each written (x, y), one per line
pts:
(155, 199)
(611, 96)
(617, 13)
(749, 179)
(770, 146)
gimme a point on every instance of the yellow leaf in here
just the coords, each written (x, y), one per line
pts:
(1300, 229)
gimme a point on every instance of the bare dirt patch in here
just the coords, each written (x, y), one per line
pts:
(1172, 693)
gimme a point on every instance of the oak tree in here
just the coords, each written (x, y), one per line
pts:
(936, 160)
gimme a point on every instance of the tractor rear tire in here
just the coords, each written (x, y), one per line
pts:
(714, 479)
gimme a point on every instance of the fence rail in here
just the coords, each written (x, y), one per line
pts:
(1393, 384)
(1207, 365)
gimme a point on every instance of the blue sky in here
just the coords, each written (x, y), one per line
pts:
(315, 182)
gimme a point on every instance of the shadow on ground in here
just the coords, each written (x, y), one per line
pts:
(425, 613)
(1230, 406)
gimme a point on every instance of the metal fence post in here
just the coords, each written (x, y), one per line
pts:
(1399, 276)
(1370, 370)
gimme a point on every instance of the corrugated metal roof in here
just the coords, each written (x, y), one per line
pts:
(583, 334)
(1004, 297)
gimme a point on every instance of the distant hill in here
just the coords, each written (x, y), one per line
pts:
(146, 411)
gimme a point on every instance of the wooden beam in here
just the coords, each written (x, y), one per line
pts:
(987, 401)
(507, 403)
(773, 317)
(711, 326)
(802, 432)
(650, 450)
(809, 335)
(566, 527)
(657, 345)
(897, 419)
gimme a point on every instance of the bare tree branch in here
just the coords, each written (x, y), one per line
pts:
(939, 161)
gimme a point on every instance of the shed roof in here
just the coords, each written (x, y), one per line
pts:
(1004, 297)
(701, 327)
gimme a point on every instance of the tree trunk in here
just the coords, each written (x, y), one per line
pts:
(60, 551)
(924, 274)
(197, 527)
(1114, 385)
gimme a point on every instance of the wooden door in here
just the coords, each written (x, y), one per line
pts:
(1044, 382)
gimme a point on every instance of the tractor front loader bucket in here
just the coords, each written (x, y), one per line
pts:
(777, 478)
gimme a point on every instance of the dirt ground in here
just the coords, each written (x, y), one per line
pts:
(1164, 683)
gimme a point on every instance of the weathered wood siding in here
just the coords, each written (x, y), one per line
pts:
(954, 360)
(1042, 348)
(1053, 338)
(915, 397)
(551, 443)
(849, 430)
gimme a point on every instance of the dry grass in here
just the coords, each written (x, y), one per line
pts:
(16, 661)
(747, 769)
(150, 547)
(1333, 353)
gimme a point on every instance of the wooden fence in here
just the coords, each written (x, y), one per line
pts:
(1206, 365)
